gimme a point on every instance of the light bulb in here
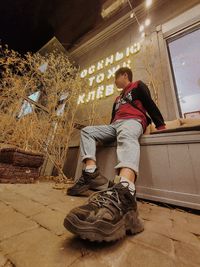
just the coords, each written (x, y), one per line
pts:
(147, 22)
(141, 28)
(148, 3)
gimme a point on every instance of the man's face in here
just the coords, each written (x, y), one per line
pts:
(120, 80)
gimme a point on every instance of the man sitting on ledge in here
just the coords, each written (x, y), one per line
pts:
(111, 213)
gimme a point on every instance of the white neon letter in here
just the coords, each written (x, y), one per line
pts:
(83, 73)
(91, 69)
(81, 99)
(100, 64)
(109, 89)
(91, 96)
(111, 72)
(100, 90)
(100, 77)
(109, 60)
(119, 56)
(91, 80)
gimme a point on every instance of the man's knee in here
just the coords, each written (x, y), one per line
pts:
(87, 130)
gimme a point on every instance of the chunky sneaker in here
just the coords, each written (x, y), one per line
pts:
(93, 181)
(108, 215)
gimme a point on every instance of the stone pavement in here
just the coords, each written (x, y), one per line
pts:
(32, 234)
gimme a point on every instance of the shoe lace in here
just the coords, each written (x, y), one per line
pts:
(109, 196)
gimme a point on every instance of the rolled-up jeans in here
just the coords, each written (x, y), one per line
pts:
(125, 132)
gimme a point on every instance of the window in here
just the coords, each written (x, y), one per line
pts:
(27, 107)
(185, 62)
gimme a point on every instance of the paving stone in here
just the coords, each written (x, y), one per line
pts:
(28, 207)
(190, 227)
(154, 213)
(144, 210)
(41, 248)
(3, 260)
(193, 218)
(69, 204)
(179, 234)
(155, 209)
(125, 254)
(178, 216)
(141, 256)
(40, 198)
(24, 188)
(154, 240)
(167, 229)
(178, 263)
(159, 217)
(188, 253)
(17, 188)
(3, 209)
(158, 227)
(35, 192)
(45, 189)
(9, 197)
(13, 223)
(144, 214)
(91, 261)
(59, 195)
(4, 187)
(52, 220)
(143, 206)
(21, 203)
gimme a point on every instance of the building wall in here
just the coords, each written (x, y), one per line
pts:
(150, 64)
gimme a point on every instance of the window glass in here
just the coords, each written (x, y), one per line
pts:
(185, 59)
(27, 107)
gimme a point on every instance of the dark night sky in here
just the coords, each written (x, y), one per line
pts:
(26, 25)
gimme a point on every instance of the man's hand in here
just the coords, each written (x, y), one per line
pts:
(162, 127)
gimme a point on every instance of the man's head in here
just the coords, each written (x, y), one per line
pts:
(123, 77)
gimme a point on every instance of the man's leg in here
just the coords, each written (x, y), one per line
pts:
(128, 173)
(89, 136)
(91, 178)
(128, 149)
(111, 213)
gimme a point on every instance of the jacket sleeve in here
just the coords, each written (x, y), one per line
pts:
(149, 105)
(113, 113)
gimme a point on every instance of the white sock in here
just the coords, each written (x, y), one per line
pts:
(130, 184)
(90, 168)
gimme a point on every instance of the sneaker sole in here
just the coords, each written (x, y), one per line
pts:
(92, 232)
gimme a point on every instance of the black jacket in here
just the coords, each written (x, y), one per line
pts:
(142, 93)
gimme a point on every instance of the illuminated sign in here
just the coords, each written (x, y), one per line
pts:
(103, 71)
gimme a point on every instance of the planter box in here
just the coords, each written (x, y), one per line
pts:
(18, 166)
(18, 157)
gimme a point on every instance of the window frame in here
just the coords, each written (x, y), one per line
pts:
(170, 39)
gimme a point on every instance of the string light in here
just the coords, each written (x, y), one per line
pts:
(141, 28)
(133, 13)
(147, 22)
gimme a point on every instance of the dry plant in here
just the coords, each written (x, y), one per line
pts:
(44, 124)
